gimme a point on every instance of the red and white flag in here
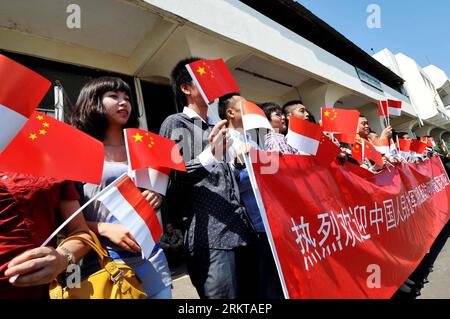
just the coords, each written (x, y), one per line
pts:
(381, 145)
(253, 116)
(429, 141)
(389, 108)
(124, 200)
(21, 90)
(304, 135)
(155, 180)
(394, 107)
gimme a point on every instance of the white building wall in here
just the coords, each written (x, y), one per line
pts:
(424, 97)
(441, 82)
(249, 27)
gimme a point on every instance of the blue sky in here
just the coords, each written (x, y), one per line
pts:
(417, 28)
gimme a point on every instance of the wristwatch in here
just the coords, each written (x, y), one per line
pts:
(69, 256)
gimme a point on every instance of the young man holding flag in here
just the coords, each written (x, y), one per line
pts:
(267, 283)
(206, 195)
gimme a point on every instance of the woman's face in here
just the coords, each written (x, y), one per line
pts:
(278, 121)
(117, 106)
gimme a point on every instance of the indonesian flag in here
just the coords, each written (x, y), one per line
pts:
(394, 107)
(213, 79)
(48, 147)
(389, 108)
(253, 116)
(429, 141)
(151, 157)
(124, 200)
(341, 121)
(155, 180)
(381, 145)
(304, 135)
(21, 90)
(418, 147)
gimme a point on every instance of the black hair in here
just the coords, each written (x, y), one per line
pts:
(290, 103)
(402, 134)
(270, 107)
(224, 103)
(89, 115)
(180, 76)
(311, 117)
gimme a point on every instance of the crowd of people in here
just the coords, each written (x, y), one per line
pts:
(223, 239)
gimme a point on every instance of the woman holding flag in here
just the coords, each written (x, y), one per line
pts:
(103, 110)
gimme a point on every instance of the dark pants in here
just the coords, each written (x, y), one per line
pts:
(174, 256)
(219, 274)
(268, 285)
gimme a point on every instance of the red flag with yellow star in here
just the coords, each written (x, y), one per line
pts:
(212, 78)
(358, 152)
(363, 149)
(149, 150)
(48, 147)
(327, 151)
(344, 122)
(20, 93)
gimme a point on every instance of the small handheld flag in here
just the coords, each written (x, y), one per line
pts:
(21, 91)
(212, 78)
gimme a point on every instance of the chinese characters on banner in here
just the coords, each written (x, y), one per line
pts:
(327, 240)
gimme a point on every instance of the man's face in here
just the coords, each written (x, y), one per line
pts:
(193, 95)
(169, 228)
(363, 127)
(299, 110)
(234, 113)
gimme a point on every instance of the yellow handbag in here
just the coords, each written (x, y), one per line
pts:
(112, 281)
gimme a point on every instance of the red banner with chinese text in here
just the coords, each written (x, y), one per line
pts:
(339, 235)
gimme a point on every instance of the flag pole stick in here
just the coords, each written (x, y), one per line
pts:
(71, 217)
(262, 210)
(385, 117)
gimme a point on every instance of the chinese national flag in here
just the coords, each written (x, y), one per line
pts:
(212, 78)
(404, 145)
(149, 150)
(371, 153)
(48, 147)
(418, 146)
(341, 121)
(383, 108)
(358, 152)
(327, 151)
(21, 91)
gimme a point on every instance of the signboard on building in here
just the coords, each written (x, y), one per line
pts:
(368, 79)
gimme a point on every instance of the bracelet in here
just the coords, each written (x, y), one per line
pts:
(69, 256)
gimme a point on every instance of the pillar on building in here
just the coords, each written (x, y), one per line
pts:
(316, 95)
(424, 130)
